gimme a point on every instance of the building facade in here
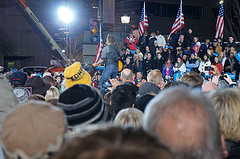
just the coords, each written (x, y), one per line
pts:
(200, 15)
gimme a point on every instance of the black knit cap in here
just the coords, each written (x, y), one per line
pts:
(143, 101)
(83, 106)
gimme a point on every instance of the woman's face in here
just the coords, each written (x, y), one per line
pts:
(179, 60)
(140, 57)
(216, 59)
(209, 52)
(147, 48)
(205, 58)
(149, 56)
(159, 56)
(168, 61)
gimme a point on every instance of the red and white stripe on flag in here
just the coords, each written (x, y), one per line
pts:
(99, 51)
(220, 23)
(143, 24)
(100, 45)
(179, 22)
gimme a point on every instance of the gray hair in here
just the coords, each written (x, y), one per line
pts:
(186, 122)
(129, 117)
(127, 75)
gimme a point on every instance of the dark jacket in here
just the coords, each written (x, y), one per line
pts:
(145, 40)
(189, 38)
(111, 54)
(233, 149)
(148, 64)
(151, 45)
(159, 63)
(137, 66)
(227, 63)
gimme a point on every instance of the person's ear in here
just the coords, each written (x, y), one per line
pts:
(224, 148)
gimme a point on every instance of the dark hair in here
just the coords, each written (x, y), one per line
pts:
(122, 97)
(48, 79)
(110, 38)
(114, 142)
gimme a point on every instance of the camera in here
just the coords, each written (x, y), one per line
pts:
(208, 68)
(222, 77)
(107, 84)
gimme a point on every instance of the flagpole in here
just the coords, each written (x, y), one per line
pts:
(180, 17)
(100, 16)
(144, 14)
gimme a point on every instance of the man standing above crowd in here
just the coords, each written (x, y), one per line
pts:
(110, 55)
(143, 42)
(189, 37)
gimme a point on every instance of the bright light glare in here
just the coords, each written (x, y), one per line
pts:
(221, 2)
(65, 14)
(125, 19)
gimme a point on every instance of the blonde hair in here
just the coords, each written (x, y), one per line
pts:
(155, 76)
(52, 93)
(227, 106)
(129, 116)
(153, 34)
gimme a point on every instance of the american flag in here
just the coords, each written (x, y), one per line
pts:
(143, 24)
(220, 23)
(179, 22)
(100, 45)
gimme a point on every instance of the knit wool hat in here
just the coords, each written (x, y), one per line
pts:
(148, 87)
(82, 106)
(142, 101)
(22, 94)
(19, 77)
(74, 74)
(33, 130)
(37, 85)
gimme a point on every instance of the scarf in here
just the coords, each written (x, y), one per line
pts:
(178, 65)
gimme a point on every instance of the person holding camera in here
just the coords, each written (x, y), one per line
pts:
(192, 63)
(205, 66)
(131, 42)
(217, 67)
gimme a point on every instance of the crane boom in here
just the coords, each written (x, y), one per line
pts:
(45, 32)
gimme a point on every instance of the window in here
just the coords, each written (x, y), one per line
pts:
(170, 10)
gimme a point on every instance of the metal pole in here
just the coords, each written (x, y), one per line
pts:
(180, 17)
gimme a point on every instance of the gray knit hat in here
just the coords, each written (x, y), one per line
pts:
(148, 87)
(83, 106)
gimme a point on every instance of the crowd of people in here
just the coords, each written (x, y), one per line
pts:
(184, 53)
(142, 112)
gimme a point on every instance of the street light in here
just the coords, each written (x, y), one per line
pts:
(125, 20)
(221, 2)
(65, 14)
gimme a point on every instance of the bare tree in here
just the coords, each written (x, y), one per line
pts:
(75, 49)
(232, 21)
